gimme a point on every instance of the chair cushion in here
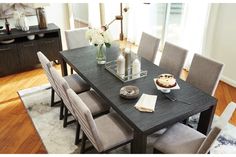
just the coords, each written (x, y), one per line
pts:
(179, 139)
(76, 83)
(94, 102)
(113, 130)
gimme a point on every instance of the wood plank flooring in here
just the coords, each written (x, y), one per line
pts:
(17, 133)
(225, 94)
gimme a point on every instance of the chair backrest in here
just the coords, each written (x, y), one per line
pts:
(85, 119)
(204, 73)
(219, 126)
(62, 86)
(148, 46)
(173, 58)
(76, 38)
(46, 64)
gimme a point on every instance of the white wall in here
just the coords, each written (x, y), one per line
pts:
(56, 13)
(80, 11)
(223, 45)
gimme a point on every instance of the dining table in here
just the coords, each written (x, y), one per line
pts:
(189, 101)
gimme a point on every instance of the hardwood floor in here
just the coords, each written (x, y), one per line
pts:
(225, 94)
(17, 133)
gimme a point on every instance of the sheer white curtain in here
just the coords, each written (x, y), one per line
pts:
(137, 21)
(94, 15)
(143, 18)
(111, 10)
(186, 28)
(196, 18)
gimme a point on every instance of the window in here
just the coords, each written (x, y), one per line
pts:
(79, 15)
(174, 22)
(182, 24)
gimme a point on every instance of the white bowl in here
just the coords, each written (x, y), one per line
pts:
(41, 35)
(31, 37)
(7, 41)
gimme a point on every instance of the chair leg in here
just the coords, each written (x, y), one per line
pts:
(185, 121)
(52, 97)
(84, 138)
(77, 134)
(155, 151)
(65, 117)
(61, 110)
(71, 70)
(131, 147)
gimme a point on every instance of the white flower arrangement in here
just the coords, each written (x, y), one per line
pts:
(98, 37)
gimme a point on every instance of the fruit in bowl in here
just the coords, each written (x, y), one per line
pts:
(166, 80)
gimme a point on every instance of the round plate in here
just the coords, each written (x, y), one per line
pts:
(129, 92)
(166, 90)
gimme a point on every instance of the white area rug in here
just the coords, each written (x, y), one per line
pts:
(61, 140)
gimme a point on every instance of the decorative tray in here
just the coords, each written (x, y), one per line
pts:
(111, 66)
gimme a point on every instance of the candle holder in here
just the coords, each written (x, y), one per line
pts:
(132, 73)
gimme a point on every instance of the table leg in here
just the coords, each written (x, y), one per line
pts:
(139, 143)
(63, 67)
(205, 120)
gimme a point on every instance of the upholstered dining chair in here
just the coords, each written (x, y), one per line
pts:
(181, 139)
(106, 132)
(95, 103)
(148, 46)
(75, 38)
(204, 73)
(173, 58)
(44, 61)
(74, 81)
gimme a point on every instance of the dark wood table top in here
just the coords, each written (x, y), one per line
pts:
(167, 112)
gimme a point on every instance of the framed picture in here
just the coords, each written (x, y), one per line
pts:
(7, 9)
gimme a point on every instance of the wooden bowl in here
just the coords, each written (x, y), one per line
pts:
(129, 92)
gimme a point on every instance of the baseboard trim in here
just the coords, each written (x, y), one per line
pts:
(82, 21)
(228, 80)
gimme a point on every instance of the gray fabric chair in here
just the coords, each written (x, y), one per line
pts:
(46, 65)
(181, 139)
(173, 58)
(75, 38)
(74, 81)
(148, 47)
(94, 102)
(204, 73)
(105, 132)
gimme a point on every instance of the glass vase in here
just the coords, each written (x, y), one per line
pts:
(101, 54)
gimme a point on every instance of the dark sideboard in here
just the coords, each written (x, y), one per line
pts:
(21, 54)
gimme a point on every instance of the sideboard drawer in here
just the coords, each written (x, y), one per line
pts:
(28, 54)
(9, 59)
